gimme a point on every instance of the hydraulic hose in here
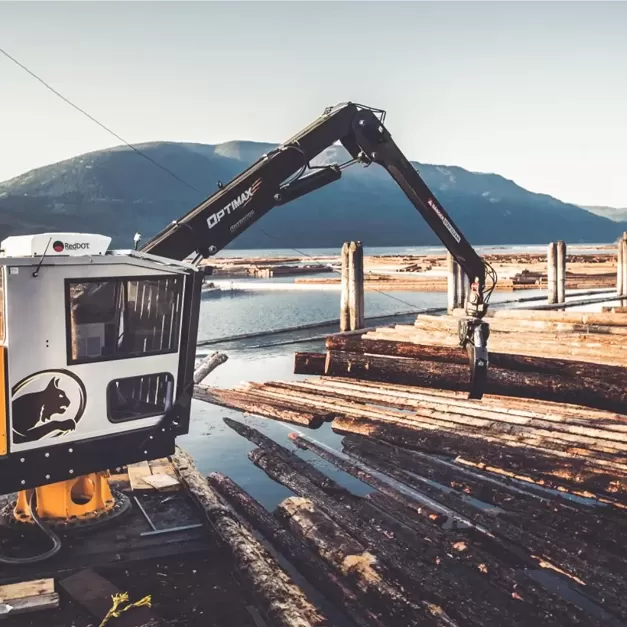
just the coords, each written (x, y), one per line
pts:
(56, 542)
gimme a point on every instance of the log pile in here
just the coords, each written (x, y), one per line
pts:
(436, 542)
(566, 447)
(471, 500)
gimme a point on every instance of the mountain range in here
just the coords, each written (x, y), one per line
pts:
(611, 213)
(118, 191)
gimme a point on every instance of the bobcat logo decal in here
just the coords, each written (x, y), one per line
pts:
(49, 403)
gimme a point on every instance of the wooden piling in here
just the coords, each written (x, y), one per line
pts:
(462, 287)
(453, 269)
(551, 272)
(344, 311)
(356, 285)
(623, 246)
(619, 267)
(561, 271)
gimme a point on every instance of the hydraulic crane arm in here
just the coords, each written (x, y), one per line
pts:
(279, 177)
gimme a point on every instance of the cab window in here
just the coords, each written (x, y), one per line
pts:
(123, 317)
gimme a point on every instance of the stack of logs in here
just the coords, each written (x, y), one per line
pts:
(436, 542)
(557, 420)
(472, 519)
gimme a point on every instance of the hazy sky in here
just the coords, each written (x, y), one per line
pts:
(535, 91)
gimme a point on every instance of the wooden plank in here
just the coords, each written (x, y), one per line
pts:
(24, 589)
(13, 607)
(162, 466)
(163, 483)
(94, 593)
(136, 474)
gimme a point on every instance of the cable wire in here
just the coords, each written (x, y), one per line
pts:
(167, 170)
(93, 119)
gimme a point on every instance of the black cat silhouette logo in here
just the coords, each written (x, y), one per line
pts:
(49, 403)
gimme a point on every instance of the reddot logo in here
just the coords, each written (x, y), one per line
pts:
(60, 246)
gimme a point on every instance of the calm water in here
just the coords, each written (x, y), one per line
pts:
(213, 445)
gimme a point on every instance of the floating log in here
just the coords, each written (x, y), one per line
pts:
(210, 363)
(271, 446)
(591, 529)
(249, 404)
(515, 536)
(282, 601)
(352, 560)
(598, 569)
(297, 551)
(554, 435)
(402, 566)
(548, 469)
(309, 363)
(456, 376)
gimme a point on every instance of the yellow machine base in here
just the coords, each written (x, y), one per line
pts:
(81, 500)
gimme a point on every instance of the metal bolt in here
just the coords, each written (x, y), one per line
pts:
(71, 471)
(70, 450)
(145, 452)
(152, 437)
(47, 476)
(22, 460)
(47, 454)
(23, 482)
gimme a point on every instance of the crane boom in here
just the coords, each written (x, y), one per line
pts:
(285, 173)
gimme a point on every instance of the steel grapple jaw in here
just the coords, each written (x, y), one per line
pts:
(473, 336)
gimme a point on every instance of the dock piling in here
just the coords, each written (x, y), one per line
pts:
(561, 271)
(623, 261)
(551, 273)
(453, 285)
(344, 311)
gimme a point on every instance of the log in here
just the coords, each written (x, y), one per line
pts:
(209, 364)
(399, 565)
(269, 445)
(456, 376)
(352, 560)
(446, 354)
(515, 325)
(561, 316)
(598, 569)
(505, 568)
(598, 425)
(277, 595)
(524, 463)
(497, 403)
(486, 522)
(526, 430)
(297, 552)
(591, 528)
(309, 363)
(248, 404)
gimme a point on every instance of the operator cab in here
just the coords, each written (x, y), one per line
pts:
(97, 352)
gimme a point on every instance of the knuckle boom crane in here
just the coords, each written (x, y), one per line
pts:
(217, 221)
(97, 347)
